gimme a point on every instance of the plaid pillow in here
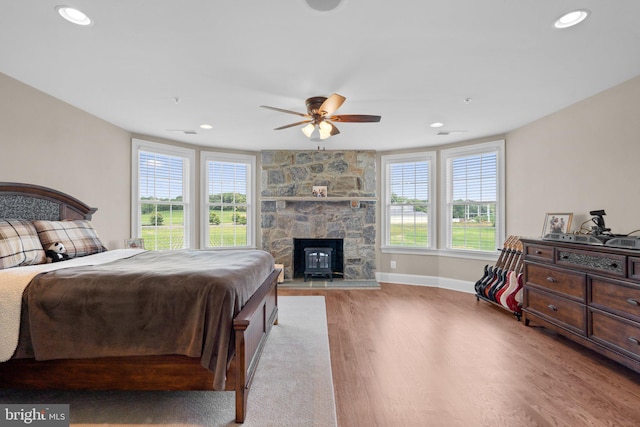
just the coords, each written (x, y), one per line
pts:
(78, 237)
(19, 244)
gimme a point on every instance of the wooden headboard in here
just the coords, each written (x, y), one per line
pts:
(32, 202)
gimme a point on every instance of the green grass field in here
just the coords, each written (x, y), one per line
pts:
(170, 235)
(464, 236)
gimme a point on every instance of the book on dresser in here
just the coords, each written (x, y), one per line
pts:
(589, 294)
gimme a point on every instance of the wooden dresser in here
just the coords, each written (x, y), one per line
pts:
(590, 294)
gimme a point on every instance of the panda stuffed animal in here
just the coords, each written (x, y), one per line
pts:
(56, 252)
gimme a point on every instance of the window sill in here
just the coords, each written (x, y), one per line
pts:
(228, 248)
(407, 250)
(451, 253)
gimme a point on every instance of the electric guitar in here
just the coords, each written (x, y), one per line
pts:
(512, 281)
(501, 275)
(492, 270)
(504, 279)
(488, 270)
(514, 299)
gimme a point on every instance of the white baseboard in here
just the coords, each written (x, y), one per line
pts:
(432, 281)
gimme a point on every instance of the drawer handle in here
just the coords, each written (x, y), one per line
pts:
(552, 307)
(633, 301)
(552, 279)
(538, 252)
(613, 265)
(565, 257)
(633, 340)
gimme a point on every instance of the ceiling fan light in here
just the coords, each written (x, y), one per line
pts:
(308, 129)
(325, 130)
(324, 126)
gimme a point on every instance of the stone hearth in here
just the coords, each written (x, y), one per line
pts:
(347, 213)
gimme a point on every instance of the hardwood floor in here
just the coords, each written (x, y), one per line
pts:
(420, 356)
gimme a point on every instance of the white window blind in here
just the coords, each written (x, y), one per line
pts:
(228, 208)
(162, 211)
(408, 201)
(473, 215)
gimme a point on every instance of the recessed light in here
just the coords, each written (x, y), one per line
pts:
(436, 125)
(73, 15)
(206, 126)
(571, 18)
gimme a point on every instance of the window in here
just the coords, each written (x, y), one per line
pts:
(408, 201)
(473, 208)
(161, 196)
(228, 209)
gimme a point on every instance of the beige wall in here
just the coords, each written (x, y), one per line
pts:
(582, 158)
(47, 142)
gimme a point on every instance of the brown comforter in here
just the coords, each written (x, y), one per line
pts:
(156, 302)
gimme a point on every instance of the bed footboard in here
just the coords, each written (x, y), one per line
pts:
(252, 326)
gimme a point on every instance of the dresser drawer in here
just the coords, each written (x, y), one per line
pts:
(556, 309)
(602, 263)
(543, 253)
(566, 282)
(620, 298)
(614, 331)
(634, 268)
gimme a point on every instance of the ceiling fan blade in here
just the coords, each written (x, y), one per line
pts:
(331, 104)
(293, 124)
(355, 118)
(285, 111)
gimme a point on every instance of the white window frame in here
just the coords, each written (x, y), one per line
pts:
(446, 157)
(385, 162)
(189, 162)
(250, 161)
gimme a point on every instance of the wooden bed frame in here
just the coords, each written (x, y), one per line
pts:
(171, 372)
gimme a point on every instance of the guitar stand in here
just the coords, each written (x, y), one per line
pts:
(517, 314)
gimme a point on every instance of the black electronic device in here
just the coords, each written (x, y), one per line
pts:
(599, 227)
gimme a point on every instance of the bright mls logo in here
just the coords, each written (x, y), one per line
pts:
(36, 415)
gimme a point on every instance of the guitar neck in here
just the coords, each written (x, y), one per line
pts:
(505, 249)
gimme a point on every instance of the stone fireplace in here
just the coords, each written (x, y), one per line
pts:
(289, 211)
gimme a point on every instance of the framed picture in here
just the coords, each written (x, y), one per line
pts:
(134, 243)
(557, 223)
(319, 191)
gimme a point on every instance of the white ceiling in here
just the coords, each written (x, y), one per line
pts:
(413, 62)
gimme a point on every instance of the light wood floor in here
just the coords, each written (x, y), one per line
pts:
(419, 356)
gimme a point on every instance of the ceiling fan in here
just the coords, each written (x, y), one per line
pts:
(319, 117)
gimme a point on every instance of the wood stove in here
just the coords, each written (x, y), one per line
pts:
(317, 262)
(336, 256)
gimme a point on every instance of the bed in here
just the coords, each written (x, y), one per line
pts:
(227, 325)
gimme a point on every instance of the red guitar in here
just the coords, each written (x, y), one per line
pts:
(514, 299)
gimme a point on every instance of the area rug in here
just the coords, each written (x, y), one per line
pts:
(292, 386)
